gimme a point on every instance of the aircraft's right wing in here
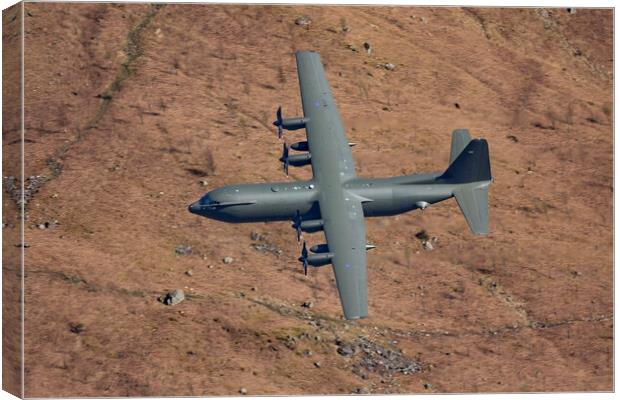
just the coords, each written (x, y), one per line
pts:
(332, 165)
(345, 232)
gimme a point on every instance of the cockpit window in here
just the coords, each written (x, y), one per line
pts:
(206, 201)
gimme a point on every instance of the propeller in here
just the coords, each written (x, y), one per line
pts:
(284, 158)
(304, 258)
(278, 122)
(298, 225)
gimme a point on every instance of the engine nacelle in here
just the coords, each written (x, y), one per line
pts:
(292, 124)
(322, 248)
(319, 248)
(300, 146)
(312, 225)
(299, 160)
(303, 146)
(318, 260)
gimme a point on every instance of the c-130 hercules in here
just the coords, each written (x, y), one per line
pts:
(336, 201)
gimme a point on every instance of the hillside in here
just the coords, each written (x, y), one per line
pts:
(130, 107)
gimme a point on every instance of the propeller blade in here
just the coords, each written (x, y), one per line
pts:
(284, 158)
(298, 225)
(304, 258)
(278, 122)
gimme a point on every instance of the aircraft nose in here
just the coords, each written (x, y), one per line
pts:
(194, 208)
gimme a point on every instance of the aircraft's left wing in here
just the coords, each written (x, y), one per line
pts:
(331, 155)
(345, 232)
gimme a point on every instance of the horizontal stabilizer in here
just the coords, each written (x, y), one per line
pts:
(473, 199)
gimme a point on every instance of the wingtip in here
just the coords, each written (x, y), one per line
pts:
(353, 317)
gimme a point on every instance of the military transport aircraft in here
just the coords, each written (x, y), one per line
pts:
(336, 201)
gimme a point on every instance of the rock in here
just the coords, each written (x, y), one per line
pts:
(256, 236)
(317, 364)
(267, 248)
(228, 260)
(427, 245)
(389, 66)
(351, 47)
(362, 390)
(290, 342)
(307, 304)
(204, 182)
(304, 20)
(374, 358)
(345, 350)
(243, 391)
(571, 10)
(307, 353)
(183, 250)
(422, 235)
(189, 272)
(367, 47)
(428, 386)
(42, 226)
(172, 298)
(77, 328)
(254, 288)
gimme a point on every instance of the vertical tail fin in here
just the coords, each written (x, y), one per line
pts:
(472, 165)
(460, 140)
(470, 173)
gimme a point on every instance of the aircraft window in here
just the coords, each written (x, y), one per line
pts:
(209, 202)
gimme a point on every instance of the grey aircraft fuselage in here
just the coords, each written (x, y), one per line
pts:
(280, 201)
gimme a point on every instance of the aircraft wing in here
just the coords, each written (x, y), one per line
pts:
(332, 166)
(330, 150)
(346, 239)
